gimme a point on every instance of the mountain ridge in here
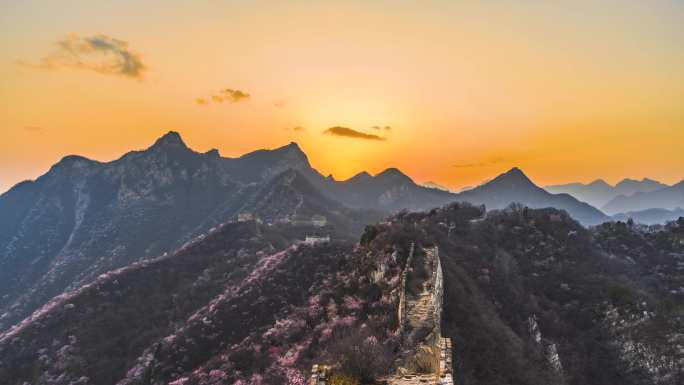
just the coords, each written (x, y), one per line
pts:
(85, 217)
(598, 193)
(514, 186)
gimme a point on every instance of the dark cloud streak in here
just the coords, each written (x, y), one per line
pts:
(351, 133)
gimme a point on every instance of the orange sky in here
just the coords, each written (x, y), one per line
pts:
(568, 91)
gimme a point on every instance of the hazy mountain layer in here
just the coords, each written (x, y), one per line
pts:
(651, 216)
(598, 193)
(667, 198)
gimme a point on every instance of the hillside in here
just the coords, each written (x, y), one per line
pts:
(243, 304)
(530, 297)
(84, 218)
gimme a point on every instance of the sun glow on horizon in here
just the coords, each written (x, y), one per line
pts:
(453, 93)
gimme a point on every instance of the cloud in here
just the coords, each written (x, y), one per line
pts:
(225, 95)
(100, 53)
(490, 162)
(386, 128)
(234, 95)
(296, 128)
(469, 165)
(350, 133)
(501, 158)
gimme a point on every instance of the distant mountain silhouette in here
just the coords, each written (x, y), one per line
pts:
(389, 190)
(651, 216)
(598, 192)
(436, 185)
(667, 198)
(515, 186)
(84, 217)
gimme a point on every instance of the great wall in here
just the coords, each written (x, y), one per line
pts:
(426, 356)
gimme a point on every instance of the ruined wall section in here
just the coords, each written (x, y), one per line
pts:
(402, 311)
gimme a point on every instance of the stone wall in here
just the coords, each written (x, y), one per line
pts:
(445, 375)
(402, 291)
(437, 290)
(444, 345)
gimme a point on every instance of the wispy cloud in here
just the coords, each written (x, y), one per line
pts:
(100, 53)
(224, 95)
(386, 128)
(499, 158)
(351, 133)
(490, 162)
(296, 128)
(470, 165)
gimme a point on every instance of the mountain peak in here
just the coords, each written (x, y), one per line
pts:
(213, 153)
(394, 173)
(516, 172)
(73, 162)
(292, 150)
(599, 183)
(360, 177)
(629, 186)
(170, 139)
(512, 177)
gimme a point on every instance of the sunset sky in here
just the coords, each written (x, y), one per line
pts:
(448, 91)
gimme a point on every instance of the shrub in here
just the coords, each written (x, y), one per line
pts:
(620, 295)
(360, 355)
(343, 379)
(425, 361)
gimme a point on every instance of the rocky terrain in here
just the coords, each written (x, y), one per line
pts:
(530, 297)
(243, 304)
(84, 218)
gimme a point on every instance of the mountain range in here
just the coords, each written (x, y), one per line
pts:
(83, 217)
(670, 198)
(599, 193)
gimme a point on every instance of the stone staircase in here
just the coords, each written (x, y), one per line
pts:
(420, 312)
(413, 379)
